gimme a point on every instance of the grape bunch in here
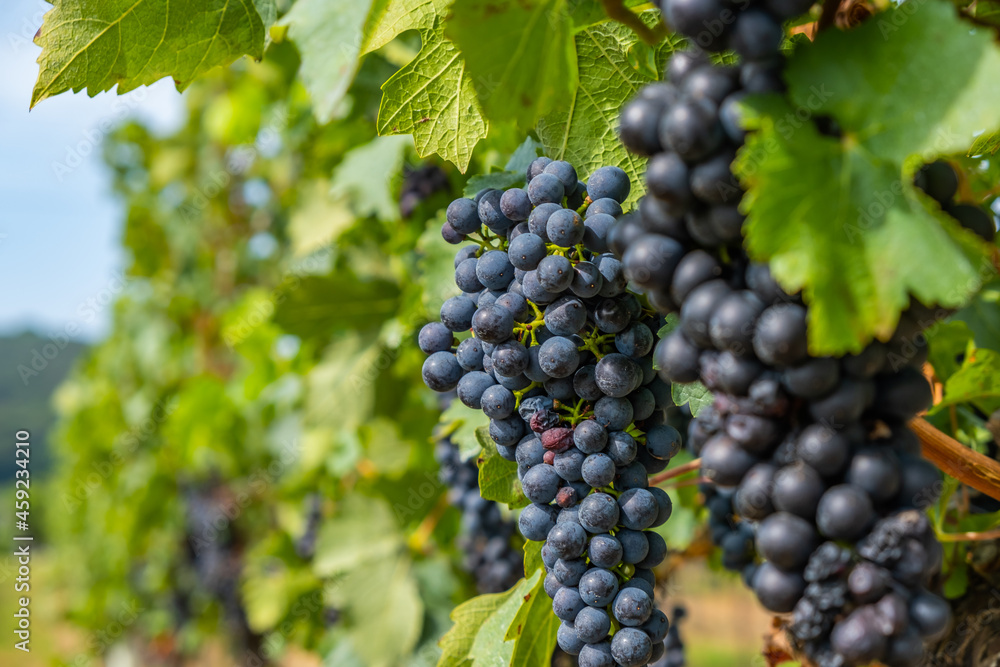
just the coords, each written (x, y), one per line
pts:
(939, 180)
(419, 185)
(486, 538)
(816, 479)
(560, 359)
(752, 29)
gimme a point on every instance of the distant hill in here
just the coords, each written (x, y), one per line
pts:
(31, 367)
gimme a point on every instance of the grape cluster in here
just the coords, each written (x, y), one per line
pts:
(561, 361)
(674, 655)
(752, 28)
(419, 185)
(939, 180)
(486, 538)
(814, 470)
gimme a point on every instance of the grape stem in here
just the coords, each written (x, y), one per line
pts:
(969, 537)
(690, 466)
(617, 10)
(952, 457)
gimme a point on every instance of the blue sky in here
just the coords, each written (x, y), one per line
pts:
(59, 223)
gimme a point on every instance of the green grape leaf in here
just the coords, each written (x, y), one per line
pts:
(326, 35)
(497, 476)
(477, 638)
(534, 627)
(982, 315)
(315, 306)
(584, 131)
(390, 18)
(434, 99)
(367, 174)
(987, 143)
(363, 531)
(694, 393)
(946, 342)
(532, 557)
(537, 70)
(462, 423)
(95, 45)
(671, 322)
(268, 10)
(523, 156)
(496, 180)
(838, 217)
(977, 381)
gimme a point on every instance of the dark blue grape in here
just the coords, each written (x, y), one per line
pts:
(632, 607)
(598, 513)
(536, 521)
(540, 485)
(539, 219)
(635, 341)
(567, 602)
(534, 291)
(567, 540)
(605, 551)
(618, 375)
(598, 587)
(566, 636)
(597, 655)
(598, 470)
(510, 358)
(590, 437)
(463, 215)
(638, 509)
(555, 273)
(592, 624)
(569, 571)
(558, 357)
(537, 166)
(631, 647)
(494, 270)
(614, 414)
(434, 337)
(526, 251)
(506, 433)
(564, 171)
(565, 228)
(545, 189)
(664, 506)
(457, 313)
(491, 215)
(621, 447)
(470, 354)
(441, 371)
(493, 324)
(610, 182)
(565, 316)
(635, 545)
(596, 230)
(497, 402)
(612, 274)
(568, 464)
(585, 383)
(657, 550)
(471, 388)
(515, 205)
(663, 442)
(449, 234)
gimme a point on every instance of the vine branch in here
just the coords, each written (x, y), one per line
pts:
(949, 455)
(675, 472)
